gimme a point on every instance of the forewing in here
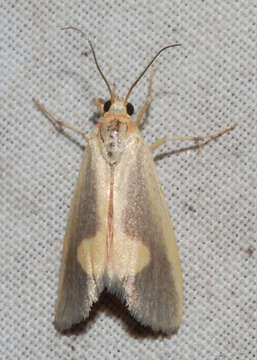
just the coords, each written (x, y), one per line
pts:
(146, 265)
(84, 251)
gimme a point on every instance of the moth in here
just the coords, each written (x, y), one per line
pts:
(119, 234)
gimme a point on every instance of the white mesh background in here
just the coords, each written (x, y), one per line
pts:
(201, 87)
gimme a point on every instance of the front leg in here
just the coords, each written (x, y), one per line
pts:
(59, 124)
(148, 101)
(99, 102)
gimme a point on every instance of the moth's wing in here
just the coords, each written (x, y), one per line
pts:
(146, 265)
(84, 251)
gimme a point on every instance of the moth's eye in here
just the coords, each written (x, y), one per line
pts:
(107, 105)
(130, 109)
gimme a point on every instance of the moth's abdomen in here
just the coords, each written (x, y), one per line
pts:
(112, 138)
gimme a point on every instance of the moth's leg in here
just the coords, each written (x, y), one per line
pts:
(162, 141)
(58, 123)
(148, 101)
(98, 102)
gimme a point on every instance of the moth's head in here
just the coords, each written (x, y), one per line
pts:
(118, 106)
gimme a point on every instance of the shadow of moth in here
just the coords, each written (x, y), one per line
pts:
(119, 234)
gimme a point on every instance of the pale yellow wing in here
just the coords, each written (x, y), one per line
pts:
(145, 267)
(84, 251)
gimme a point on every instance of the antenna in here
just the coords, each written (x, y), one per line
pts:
(147, 67)
(96, 62)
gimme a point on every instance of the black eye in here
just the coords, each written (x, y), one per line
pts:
(130, 109)
(107, 105)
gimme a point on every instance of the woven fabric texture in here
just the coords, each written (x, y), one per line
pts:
(203, 86)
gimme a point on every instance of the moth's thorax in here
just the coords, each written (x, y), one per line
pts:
(112, 137)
